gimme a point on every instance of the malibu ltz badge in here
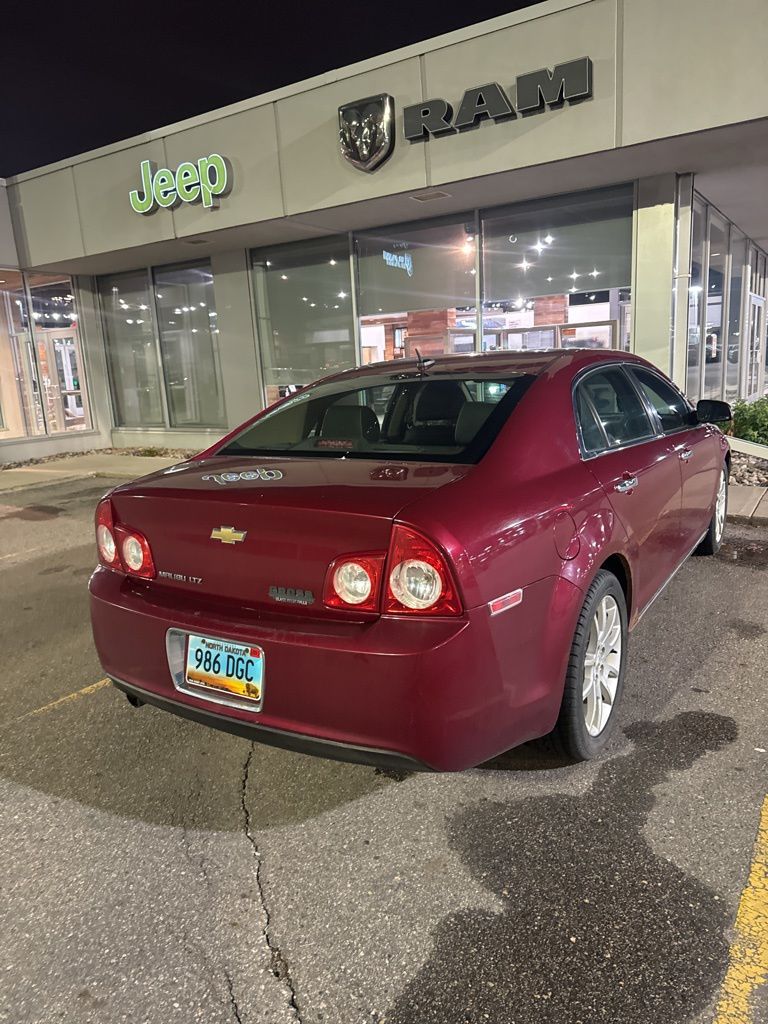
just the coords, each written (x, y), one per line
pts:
(367, 131)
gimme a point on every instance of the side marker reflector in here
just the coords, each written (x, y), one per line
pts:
(500, 604)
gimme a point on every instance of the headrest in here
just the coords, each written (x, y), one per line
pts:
(439, 400)
(350, 422)
(471, 418)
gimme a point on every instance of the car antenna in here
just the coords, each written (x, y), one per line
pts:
(422, 364)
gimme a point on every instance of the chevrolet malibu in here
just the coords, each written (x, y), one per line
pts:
(420, 563)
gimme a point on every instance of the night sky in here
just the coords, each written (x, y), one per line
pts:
(75, 76)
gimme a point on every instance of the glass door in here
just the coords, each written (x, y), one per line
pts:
(755, 333)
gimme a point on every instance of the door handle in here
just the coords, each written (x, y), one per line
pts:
(625, 485)
(686, 453)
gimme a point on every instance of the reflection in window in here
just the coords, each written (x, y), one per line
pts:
(59, 358)
(557, 272)
(695, 301)
(617, 405)
(417, 290)
(713, 328)
(735, 315)
(179, 352)
(134, 367)
(305, 312)
(21, 411)
(186, 313)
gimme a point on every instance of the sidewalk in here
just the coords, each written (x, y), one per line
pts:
(745, 504)
(748, 504)
(81, 467)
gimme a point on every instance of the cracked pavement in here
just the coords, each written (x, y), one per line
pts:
(152, 870)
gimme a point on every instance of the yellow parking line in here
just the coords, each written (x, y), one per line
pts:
(748, 966)
(62, 700)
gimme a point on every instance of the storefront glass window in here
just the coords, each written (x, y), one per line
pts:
(186, 313)
(59, 356)
(557, 272)
(695, 300)
(132, 356)
(713, 327)
(417, 289)
(21, 411)
(304, 303)
(735, 315)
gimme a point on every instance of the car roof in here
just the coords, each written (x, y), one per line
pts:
(530, 361)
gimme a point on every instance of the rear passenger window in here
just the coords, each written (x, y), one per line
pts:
(672, 408)
(592, 436)
(617, 405)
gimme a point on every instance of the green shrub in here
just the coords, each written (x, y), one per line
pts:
(750, 421)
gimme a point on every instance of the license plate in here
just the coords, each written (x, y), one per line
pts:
(225, 668)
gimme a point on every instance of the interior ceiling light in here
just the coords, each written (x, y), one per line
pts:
(539, 247)
(525, 264)
(574, 276)
(548, 239)
(283, 277)
(594, 273)
(331, 262)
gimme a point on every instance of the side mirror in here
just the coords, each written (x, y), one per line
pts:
(708, 410)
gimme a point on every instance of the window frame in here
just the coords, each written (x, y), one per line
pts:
(578, 380)
(630, 370)
(148, 271)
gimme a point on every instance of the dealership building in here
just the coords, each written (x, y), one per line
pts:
(579, 173)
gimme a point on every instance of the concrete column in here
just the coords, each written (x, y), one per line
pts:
(238, 350)
(653, 270)
(92, 343)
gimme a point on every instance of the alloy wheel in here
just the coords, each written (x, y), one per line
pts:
(720, 507)
(602, 664)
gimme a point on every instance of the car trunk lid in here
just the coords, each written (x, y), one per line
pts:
(262, 532)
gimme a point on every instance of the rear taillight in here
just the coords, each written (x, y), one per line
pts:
(414, 578)
(135, 553)
(354, 581)
(419, 580)
(120, 547)
(105, 535)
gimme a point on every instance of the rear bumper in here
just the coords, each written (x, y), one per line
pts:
(442, 693)
(298, 742)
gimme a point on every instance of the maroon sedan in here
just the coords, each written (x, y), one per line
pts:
(420, 563)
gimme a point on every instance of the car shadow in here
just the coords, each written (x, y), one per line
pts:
(595, 926)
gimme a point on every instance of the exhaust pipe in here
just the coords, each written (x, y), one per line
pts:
(134, 701)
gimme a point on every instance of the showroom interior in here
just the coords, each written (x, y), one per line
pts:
(603, 223)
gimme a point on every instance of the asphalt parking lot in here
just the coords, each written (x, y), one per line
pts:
(154, 871)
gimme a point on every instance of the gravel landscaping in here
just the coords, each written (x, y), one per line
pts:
(746, 469)
(165, 453)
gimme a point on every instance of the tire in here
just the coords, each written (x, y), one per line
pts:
(579, 733)
(713, 538)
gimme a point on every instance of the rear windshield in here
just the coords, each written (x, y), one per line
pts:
(402, 416)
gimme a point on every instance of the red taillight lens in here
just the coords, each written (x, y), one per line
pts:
(105, 535)
(354, 582)
(419, 580)
(120, 547)
(135, 553)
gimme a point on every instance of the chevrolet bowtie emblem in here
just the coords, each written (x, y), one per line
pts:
(228, 535)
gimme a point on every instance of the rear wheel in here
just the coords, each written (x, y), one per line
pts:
(713, 538)
(595, 677)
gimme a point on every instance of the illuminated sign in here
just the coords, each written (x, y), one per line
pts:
(202, 182)
(401, 260)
